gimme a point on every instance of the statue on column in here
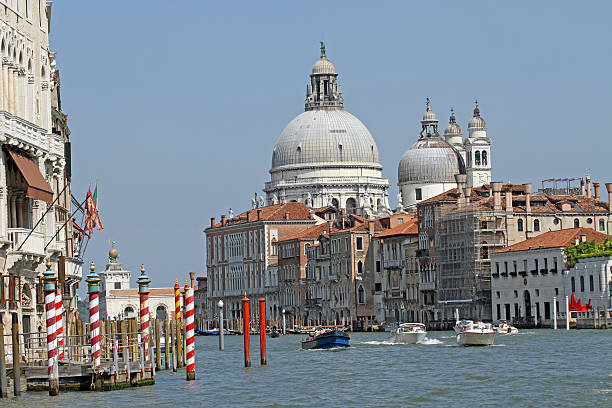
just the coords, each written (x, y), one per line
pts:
(254, 201)
(308, 201)
(274, 199)
(231, 213)
(261, 202)
(400, 203)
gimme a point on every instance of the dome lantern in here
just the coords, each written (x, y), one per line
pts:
(477, 122)
(429, 124)
(324, 91)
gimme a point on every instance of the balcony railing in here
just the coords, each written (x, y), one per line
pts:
(427, 286)
(34, 244)
(393, 263)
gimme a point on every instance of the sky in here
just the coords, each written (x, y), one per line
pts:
(175, 106)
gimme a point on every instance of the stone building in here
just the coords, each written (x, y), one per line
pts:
(241, 256)
(326, 156)
(461, 227)
(203, 309)
(429, 166)
(528, 276)
(399, 272)
(118, 301)
(35, 206)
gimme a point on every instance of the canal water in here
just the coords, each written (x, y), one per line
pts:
(536, 368)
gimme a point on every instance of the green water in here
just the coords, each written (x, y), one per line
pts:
(536, 368)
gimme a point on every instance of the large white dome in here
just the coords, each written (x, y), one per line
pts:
(325, 137)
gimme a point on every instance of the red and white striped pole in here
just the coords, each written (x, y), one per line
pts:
(93, 287)
(190, 334)
(143, 290)
(49, 289)
(59, 323)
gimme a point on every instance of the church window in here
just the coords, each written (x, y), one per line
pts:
(536, 225)
(477, 158)
(484, 158)
(576, 223)
(602, 225)
(359, 268)
(419, 194)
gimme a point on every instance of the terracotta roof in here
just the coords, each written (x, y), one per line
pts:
(556, 239)
(410, 227)
(276, 212)
(311, 233)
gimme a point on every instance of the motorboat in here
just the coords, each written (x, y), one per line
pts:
(409, 333)
(274, 333)
(470, 333)
(504, 327)
(215, 332)
(326, 339)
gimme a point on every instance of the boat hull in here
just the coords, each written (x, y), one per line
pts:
(475, 339)
(408, 338)
(326, 342)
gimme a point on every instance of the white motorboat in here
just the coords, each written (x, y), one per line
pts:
(505, 328)
(470, 333)
(409, 333)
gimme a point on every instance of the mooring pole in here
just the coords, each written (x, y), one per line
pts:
(59, 322)
(247, 332)
(93, 288)
(221, 328)
(179, 341)
(567, 313)
(555, 312)
(3, 384)
(284, 324)
(49, 289)
(190, 334)
(143, 290)
(262, 331)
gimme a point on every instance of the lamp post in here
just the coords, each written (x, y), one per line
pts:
(221, 328)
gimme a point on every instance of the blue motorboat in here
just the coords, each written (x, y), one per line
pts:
(214, 332)
(326, 339)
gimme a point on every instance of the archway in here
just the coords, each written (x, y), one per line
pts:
(351, 204)
(129, 312)
(160, 312)
(527, 298)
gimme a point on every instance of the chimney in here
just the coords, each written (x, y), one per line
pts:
(192, 277)
(588, 186)
(596, 188)
(247, 215)
(527, 197)
(286, 215)
(467, 193)
(330, 224)
(371, 227)
(509, 199)
(609, 188)
(460, 179)
(212, 222)
(496, 186)
(582, 187)
(223, 220)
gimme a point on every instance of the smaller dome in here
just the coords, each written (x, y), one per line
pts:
(453, 128)
(429, 115)
(430, 160)
(477, 122)
(323, 66)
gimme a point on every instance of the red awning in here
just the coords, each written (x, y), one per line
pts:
(38, 187)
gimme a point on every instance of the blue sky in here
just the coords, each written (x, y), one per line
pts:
(175, 107)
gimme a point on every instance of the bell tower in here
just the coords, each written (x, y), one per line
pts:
(477, 151)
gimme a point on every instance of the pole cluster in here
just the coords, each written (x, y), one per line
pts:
(59, 328)
(49, 290)
(93, 288)
(190, 333)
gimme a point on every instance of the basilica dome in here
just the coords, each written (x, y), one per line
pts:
(325, 136)
(430, 160)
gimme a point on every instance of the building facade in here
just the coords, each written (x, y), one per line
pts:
(35, 199)
(326, 156)
(242, 256)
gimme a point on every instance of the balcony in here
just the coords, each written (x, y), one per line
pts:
(393, 264)
(335, 277)
(34, 244)
(427, 286)
(394, 294)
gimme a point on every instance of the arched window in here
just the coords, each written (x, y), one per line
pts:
(536, 225)
(484, 158)
(484, 251)
(359, 267)
(160, 312)
(582, 283)
(573, 284)
(602, 225)
(129, 312)
(361, 295)
(477, 158)
(335, 202)
(350, 205)
(519, 225)
(576, 223)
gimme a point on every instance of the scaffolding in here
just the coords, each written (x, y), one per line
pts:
(465, 237)
(560, 186)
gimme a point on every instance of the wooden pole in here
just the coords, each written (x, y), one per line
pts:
(123, 325)
(179, 344)
(173, 341)
(16, 362)
(262, 331)
(167, 342)
(157, 345)
(247, 331)
(3, 390)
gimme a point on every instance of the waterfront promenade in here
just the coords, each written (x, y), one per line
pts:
(539, 368)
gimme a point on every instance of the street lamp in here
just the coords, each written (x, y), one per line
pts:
(221, 328)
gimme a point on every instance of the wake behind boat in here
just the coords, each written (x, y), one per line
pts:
(409, 333)
(470, 333)
(326, 339)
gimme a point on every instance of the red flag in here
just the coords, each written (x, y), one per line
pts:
(93, 218)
